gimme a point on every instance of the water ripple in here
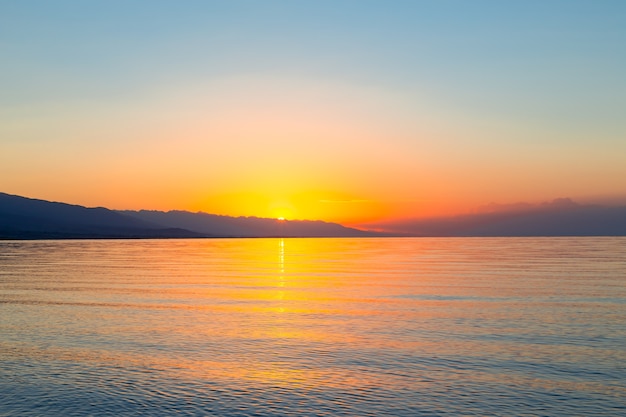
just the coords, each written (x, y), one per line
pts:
(313, 327)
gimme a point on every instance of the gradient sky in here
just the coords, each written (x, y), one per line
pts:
(349, 111)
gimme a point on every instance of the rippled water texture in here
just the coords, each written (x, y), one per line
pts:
(314, 327)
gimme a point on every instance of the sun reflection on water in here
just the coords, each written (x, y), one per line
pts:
(281, 257)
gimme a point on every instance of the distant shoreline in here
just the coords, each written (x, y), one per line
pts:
(51, 238)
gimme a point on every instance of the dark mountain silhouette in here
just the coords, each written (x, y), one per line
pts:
(561, 217)
(26, 218)
(244, 226)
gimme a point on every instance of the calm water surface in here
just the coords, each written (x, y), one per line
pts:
(314, 327)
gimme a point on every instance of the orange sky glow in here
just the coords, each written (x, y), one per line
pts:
(354, 123)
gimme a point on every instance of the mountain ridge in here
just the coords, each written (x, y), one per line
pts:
(243, 226)
(29, 218)
(560, 217)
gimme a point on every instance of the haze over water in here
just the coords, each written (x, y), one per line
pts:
(275, 327)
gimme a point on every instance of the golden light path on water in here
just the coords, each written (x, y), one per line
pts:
(240, 327)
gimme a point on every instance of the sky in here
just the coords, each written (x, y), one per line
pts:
(347, 111)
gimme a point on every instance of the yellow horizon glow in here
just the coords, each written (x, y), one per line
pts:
(299, 150)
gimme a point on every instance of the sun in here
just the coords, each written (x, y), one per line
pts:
(282, 212)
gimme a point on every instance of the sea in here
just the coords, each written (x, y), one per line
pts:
(314, 327)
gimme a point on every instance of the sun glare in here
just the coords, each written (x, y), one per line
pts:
(282, 211)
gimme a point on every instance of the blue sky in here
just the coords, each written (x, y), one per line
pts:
(500, 79)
